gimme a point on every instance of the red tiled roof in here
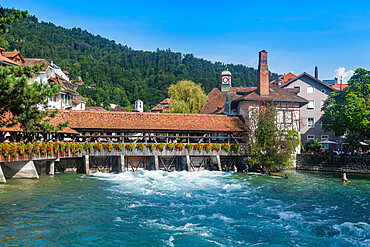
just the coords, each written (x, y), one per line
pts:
(215, 92)
(339, 86)
(217, 102)
(10, 53)
(163, 106)
(95, 108)
(276, 94)
(13, 54)
(7, 60)
(285, 78)
(33, 61)
(54, 121)
(152, 121)
(215, 105)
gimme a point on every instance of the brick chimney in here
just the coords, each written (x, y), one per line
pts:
(316, 72)
(263, 84)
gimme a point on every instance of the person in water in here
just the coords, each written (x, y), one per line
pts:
(286, 176)
(235, 169)
(269, 173)
(344, 179)
(246, 169)
(263, 170)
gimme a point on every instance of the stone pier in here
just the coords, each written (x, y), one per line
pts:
(2, 176)
(20, 169)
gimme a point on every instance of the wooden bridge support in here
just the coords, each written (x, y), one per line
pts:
(219, 162)
(122, 164)
(156, 162)
(45, 167)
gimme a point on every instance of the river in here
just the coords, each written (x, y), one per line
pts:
(149, 208)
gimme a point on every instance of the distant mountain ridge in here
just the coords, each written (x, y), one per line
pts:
(122, 74)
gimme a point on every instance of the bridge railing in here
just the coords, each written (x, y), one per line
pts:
(10, 152)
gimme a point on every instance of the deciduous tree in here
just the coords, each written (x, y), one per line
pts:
(186, 97)
(19, 100)
(349, 110)
(268, 144)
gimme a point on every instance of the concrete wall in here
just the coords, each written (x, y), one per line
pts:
(333, 163)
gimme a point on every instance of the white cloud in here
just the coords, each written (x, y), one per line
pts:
(346, 75)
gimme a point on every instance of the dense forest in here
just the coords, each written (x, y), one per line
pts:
(122, 75)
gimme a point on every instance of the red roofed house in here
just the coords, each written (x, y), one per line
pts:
(243, 100)
(164, 106)
(67, 98)
(5, 61)
(14, 56)
(284, 79)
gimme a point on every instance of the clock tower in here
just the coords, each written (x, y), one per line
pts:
(225, 81)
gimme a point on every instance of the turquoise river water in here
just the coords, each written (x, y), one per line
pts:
(149, 208)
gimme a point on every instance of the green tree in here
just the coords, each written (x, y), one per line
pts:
(349, 110)
(7, 17)
(268, 144)
(186, 97)
(19, 101)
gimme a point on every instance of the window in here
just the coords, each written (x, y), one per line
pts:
(280, 116)
(325, 138)
(288, 116)
(310, 122)
(311, 105)
(309, 89)
(299, 89)
(310, 137)
(323, 90)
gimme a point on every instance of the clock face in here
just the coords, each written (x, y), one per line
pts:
(225, 80)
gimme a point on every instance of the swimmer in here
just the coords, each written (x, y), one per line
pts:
(285, 176)
(246, 169)
(344, 179)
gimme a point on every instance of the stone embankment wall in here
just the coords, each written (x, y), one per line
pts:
(333, 163)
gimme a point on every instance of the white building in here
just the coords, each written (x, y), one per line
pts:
(139, 106)
(67, 98)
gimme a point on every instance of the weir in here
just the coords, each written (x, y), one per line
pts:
(115, 161)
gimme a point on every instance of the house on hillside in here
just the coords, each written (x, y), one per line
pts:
(15, 56)
(7, 58)
(242, 101)
(164, 106)
(67, 98)
(316, 92)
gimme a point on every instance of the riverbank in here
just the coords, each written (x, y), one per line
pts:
(334, 163)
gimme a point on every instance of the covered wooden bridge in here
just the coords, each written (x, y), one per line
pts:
(138, 129)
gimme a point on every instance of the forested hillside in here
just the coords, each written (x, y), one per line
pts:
(122, 74)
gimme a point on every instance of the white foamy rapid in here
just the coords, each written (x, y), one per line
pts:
(223, 209)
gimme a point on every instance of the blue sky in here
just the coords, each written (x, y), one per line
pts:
(298, 35)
